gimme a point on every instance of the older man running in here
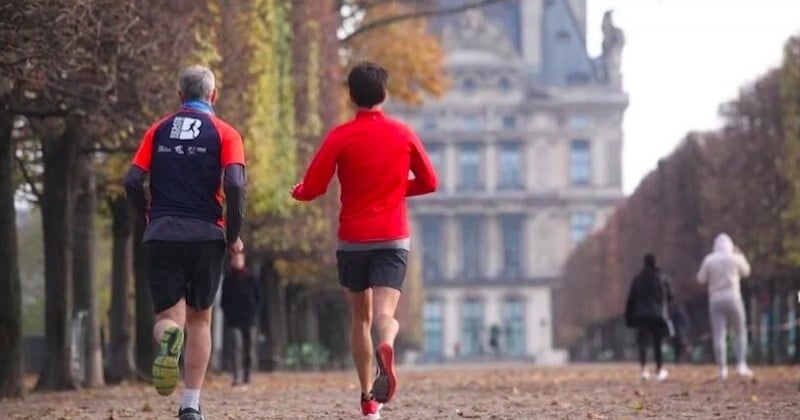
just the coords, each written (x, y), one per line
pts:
(191, 156)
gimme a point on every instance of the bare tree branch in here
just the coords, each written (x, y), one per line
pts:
(427, 12)
(28, 178)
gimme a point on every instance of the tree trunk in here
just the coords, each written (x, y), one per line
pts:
(120, 365)
(83, 267)
(10, 289)
(409, 311)
(145, 347)
(274, 308)
(333, 323)
(59, 155)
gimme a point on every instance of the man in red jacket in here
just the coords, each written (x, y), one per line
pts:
(372, 155)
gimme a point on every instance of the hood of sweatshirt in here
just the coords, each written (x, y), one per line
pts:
(723, 243)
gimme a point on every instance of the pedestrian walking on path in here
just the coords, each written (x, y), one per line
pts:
(647, 310)
(191, 156)
(372, 155)
(681, 325)
(241, 298)
(722, 271)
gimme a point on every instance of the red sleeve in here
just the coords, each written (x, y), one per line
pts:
(144, 155)
(232, 147)
(425, 180)
(319, 172)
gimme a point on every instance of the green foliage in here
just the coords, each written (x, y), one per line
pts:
(31, 249)
(306, 356)
(269, 130)
(207, 51)
(311, 124)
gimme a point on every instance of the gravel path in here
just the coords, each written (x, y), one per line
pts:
(472, 392)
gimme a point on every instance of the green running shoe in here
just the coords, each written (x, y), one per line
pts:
(165, 366)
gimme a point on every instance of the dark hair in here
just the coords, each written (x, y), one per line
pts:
(650, 261)
(367, 83)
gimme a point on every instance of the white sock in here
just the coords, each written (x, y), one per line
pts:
(191, 399)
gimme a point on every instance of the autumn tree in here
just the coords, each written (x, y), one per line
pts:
(790, 162)
(19, 55)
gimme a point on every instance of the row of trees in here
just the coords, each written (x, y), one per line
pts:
(80, 80)
(743, 179)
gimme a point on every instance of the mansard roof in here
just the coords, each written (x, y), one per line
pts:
(565, 60)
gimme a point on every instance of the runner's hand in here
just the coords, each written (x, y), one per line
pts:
(236, 247)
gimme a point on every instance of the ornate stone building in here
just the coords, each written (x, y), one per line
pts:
(528, 146)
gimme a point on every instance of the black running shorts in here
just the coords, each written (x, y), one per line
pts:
(361, 270)
(190, 270)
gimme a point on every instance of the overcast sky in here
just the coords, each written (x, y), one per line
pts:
(683, 58)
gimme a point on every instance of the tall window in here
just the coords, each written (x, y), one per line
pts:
(471, 327)
(509, 122)
(580, 162)
(504, 85)
(469, 160)
(468, 85)
(471, 246)
(581, 224)
(436, 154)
(509, 166)
(433, 327)
(431, 227)
(511, 227)
(514, 326)
(429, 122)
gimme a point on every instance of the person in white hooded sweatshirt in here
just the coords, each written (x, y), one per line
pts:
(722, 271)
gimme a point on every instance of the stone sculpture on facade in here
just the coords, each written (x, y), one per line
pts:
(613, 42)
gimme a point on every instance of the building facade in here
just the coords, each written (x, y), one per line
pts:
(528, 147)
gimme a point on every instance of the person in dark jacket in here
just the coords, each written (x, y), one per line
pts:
(647, 311)
(241, 297)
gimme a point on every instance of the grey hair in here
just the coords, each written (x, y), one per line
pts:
(196, 83)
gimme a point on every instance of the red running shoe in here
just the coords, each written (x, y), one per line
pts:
(386, 383)
(370, 409)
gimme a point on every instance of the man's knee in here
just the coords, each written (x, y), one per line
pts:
(198, 319)
(362, 318)
(175, 313)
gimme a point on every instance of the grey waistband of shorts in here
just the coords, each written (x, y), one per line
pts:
(369, 246)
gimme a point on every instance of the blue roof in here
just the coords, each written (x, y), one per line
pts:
(564, 60)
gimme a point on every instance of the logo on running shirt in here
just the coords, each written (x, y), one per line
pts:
(185, 128)
(194, 150)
